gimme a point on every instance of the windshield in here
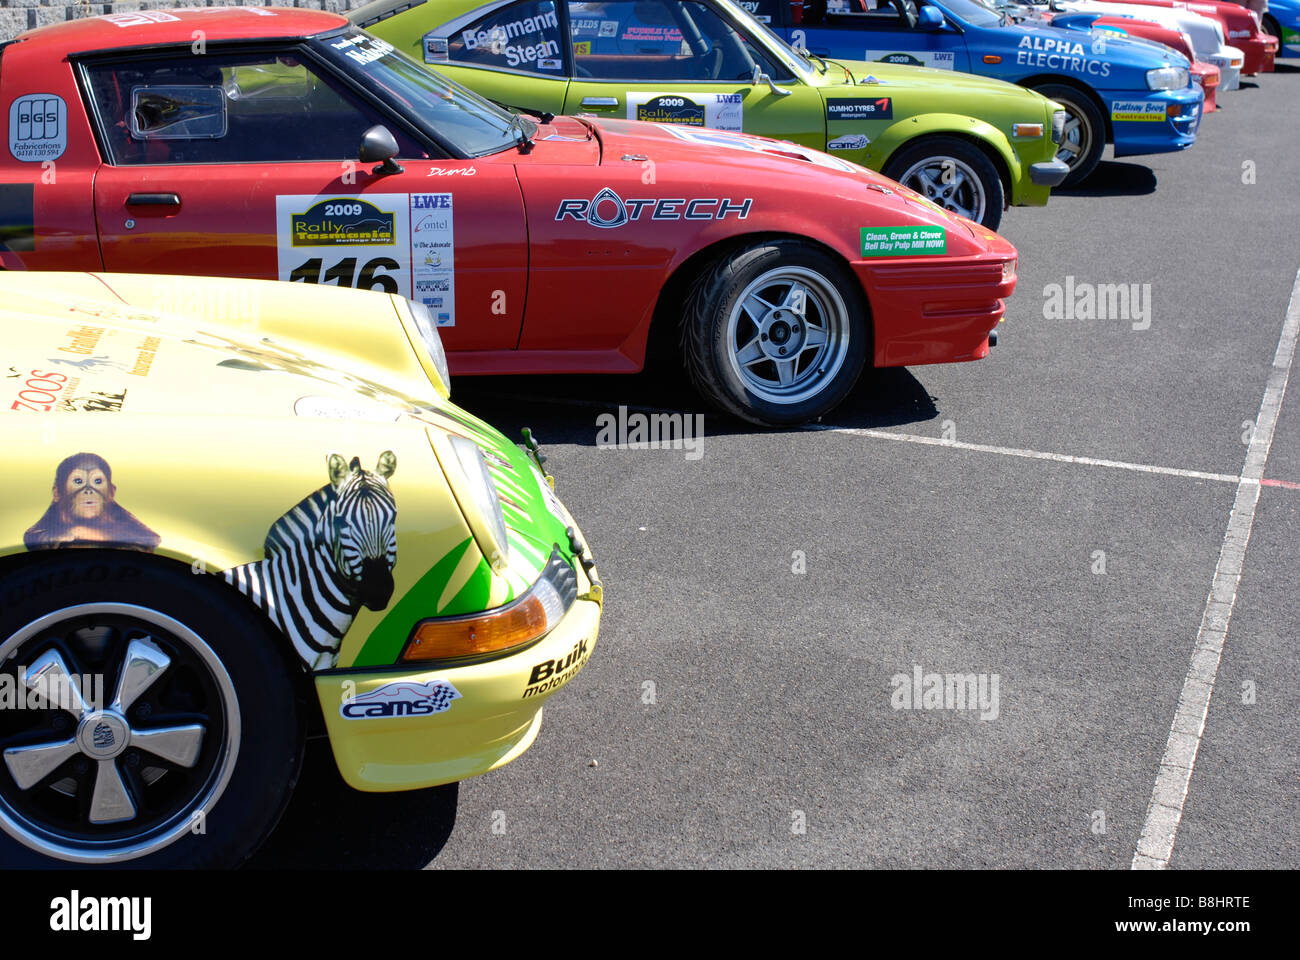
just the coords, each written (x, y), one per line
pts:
(769, 41)
(976, 14)
(442, 109)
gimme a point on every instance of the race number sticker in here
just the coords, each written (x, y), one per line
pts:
(860, 108)
(720, 111)
(1141, 110)
(903, 241)
(937, 59)
(38, 127)
(395, 242)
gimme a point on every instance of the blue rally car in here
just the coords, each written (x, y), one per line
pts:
(1138, 96)
(1283, 21)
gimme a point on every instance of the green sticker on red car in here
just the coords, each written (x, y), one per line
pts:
(903, 241)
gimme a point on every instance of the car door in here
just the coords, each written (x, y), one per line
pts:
(242, 164)
(684, 61)
(885, 30)
(513, 54)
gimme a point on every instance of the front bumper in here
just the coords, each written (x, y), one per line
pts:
(1229, 61)
(937, 312)
(1049, 173)
(495, 718)
(1142, 123)
(1260, 51)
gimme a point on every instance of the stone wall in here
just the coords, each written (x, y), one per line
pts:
(17, 16)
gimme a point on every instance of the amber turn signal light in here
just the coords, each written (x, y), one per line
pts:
(482, 633)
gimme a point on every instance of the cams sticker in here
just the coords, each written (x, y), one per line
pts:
(1141, 110)
(938, 59)
(860, 108)
(395, 242)
(850, 141)
(720, 111)
(903, 241)
(402, 698)
(38, 127)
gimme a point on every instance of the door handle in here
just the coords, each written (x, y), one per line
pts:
(153, 200)
(600, 101)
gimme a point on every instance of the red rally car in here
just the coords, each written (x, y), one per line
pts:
(283, 143)
(1241, 29)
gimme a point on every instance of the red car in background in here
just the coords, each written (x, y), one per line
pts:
(1240, 29)
(1204, 74)
(291, 145)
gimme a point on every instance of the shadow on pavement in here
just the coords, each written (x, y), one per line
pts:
(328, 825)
(1113, 178)
(563, 409)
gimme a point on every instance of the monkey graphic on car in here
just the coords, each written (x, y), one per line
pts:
(84, 511)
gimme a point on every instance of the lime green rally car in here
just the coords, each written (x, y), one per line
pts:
(225, 499)
(970, 144)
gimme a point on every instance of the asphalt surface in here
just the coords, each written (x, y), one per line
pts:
(771, 704)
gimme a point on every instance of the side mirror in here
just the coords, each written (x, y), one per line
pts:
(929, 18)
(760, 77)
(378, 143)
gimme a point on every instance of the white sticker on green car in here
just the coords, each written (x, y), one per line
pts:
(719, 111)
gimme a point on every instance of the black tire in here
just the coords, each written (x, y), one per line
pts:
(1091, 126)
(948, 170)
(97, 606)
(819, 377)
(1272, 28)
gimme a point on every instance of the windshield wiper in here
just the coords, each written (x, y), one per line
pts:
(524, 141)
(545, 116)
(825, 65)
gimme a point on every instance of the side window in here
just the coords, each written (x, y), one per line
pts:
(661, 40)
(764, 11)
(873, 14)
(245, 108)
(523, 36)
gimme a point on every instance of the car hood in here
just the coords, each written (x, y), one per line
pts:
(947, 84)
(1118, 50)
(267, 355)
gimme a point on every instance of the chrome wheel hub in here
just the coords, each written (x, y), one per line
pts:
(788, 335)
(101, 782)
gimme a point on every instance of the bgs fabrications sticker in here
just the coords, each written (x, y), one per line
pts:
(395, 242)
(938, 59)
(721, 111)
(402, 698)
(860, 108)
(850, 141)
(1143, 110)
(903, 241)
(38, 127)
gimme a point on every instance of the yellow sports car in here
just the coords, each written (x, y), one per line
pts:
(227, 499)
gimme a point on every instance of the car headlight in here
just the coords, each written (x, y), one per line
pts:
(1167, 78)
(1058, 126)
(434, 358)
(467, 474)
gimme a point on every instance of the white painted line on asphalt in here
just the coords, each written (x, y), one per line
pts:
(1156, 844)
(1034, 454)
